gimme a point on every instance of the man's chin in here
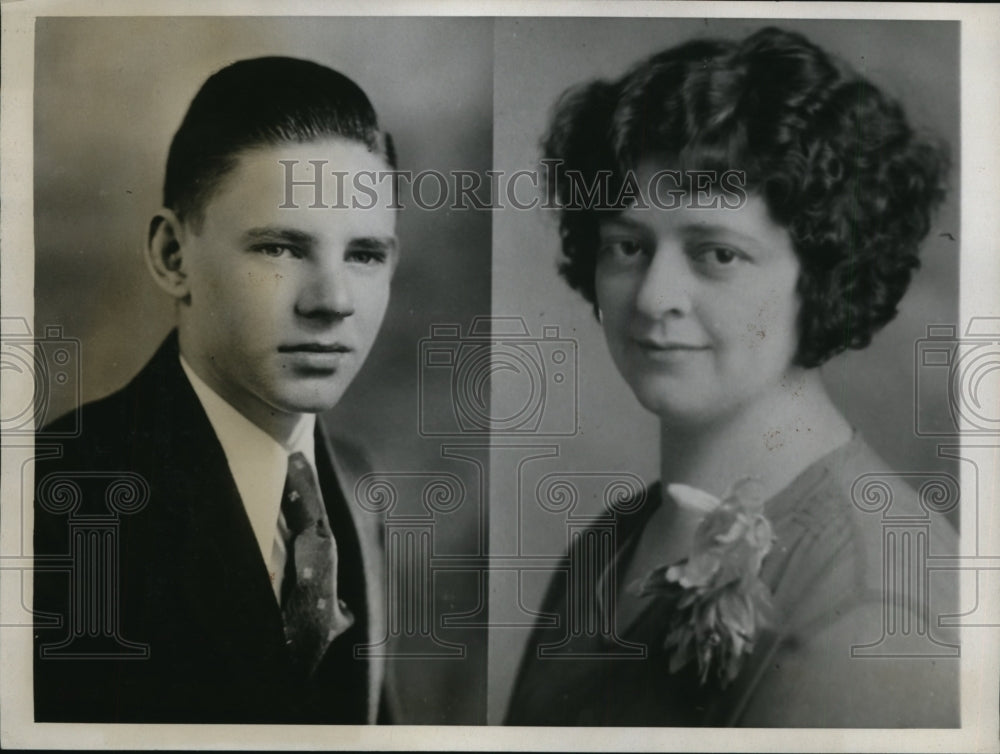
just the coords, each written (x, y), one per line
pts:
(311, 407)
(309, 401)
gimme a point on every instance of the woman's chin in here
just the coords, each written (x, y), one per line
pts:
(676, 410)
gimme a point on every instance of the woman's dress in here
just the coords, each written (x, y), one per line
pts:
(859, 635)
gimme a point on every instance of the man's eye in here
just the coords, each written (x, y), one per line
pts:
(367, 257)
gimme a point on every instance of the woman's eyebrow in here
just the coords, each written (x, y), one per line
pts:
(701, 230)
(621, 221)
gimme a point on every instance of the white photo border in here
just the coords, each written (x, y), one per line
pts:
(980, 276)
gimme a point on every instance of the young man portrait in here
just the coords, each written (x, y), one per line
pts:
(233, 579)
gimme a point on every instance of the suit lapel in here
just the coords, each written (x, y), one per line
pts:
(348, 467)
(218, 605)
(213, 553)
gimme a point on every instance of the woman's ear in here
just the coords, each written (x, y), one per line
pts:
(165, 253)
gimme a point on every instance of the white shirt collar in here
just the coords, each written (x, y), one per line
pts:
(258, 462)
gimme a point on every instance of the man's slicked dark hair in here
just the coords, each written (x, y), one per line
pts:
(262, 102)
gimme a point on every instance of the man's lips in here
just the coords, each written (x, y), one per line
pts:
(316, 358)
(314, 348)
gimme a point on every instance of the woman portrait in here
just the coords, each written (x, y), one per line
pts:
(757, 209)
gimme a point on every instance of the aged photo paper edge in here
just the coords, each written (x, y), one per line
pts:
(980, 274)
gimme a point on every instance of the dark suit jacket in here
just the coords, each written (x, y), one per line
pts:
(146, 557)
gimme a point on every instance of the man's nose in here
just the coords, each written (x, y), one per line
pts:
(666, 286)
(326, 293)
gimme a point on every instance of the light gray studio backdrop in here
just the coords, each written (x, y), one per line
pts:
(536, 60)
(109, 94)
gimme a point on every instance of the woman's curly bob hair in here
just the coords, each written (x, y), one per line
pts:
(832, 156)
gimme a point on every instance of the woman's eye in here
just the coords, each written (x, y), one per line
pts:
(276, 251)
(622, 248)
(719, 256)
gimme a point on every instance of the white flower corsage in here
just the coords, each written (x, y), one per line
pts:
(720, 602)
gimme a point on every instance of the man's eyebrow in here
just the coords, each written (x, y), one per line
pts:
(278, 233)
(374, 243)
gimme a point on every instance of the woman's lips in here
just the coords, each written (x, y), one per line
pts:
(668, 351)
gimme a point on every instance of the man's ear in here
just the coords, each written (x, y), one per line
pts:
(165, 253)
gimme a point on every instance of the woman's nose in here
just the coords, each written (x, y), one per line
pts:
(666, 285)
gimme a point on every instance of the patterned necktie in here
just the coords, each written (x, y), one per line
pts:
(312, 613)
